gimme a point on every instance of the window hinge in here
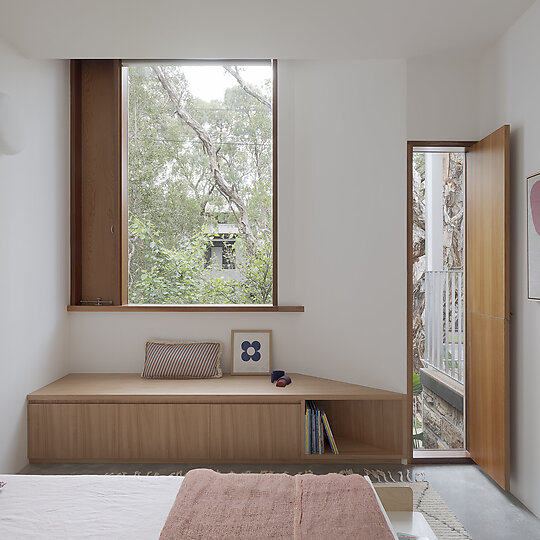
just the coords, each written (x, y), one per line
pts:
(98, 302)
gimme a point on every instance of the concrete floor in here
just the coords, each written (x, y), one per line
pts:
(485, 510)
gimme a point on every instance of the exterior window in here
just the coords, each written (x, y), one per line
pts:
(200, 183)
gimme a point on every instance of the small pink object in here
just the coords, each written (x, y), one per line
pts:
(535, 205)
(283, 381)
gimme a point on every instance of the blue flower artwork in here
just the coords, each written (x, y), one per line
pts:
(250, 351)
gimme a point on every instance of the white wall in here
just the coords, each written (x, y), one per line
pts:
(442, 98)
(350, 212)
(342, 239)
(33, 245)
(511, 94)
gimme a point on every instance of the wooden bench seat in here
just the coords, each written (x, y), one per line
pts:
(121, 417)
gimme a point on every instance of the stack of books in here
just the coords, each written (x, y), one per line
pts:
(317, 425)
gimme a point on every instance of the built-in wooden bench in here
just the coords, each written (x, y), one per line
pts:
(121, 417)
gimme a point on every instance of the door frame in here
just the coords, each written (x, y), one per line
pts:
(438, 456)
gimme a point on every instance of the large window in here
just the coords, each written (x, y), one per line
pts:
(174, 186)
(200, 183)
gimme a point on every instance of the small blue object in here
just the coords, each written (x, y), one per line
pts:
(275, 375)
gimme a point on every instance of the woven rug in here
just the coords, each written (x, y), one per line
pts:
(426, 500)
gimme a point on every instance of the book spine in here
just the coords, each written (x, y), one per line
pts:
(306, 437)
(309, 429)
(321, 434)
(317, 431)
(329, 434)
(321, 429)
(313, 433)
(318, 426)
(316, 435)
(326, 427)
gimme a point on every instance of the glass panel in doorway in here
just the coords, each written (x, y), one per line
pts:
(438, 299)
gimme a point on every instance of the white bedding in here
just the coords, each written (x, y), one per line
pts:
(85, 507)
(48, 507)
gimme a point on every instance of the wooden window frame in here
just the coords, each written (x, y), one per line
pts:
(94, 82)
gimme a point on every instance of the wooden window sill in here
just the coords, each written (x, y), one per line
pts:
(148, 308)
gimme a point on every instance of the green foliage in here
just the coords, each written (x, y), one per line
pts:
(417, 385)
(164, 274)
(257, 271)
(174, 205)
(418, 435)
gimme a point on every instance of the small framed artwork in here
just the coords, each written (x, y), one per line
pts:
(533, 236)
(251, 352)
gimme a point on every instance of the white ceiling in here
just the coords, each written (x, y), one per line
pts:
(254, 29)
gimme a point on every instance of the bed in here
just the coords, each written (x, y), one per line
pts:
(90, 507)
(85, 507)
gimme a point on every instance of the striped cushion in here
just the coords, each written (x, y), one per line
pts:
(182, 360)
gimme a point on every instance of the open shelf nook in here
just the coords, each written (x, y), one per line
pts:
(363, 429)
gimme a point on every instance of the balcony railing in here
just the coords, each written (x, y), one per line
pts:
(445, 322)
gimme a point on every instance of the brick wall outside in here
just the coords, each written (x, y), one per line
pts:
(443, 423)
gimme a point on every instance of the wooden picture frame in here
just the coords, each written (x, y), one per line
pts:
(251, 352)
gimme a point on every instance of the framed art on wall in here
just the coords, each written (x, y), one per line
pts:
(251, 352)
(533, 236)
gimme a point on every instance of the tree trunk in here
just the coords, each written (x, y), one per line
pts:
(229, 192)
(236, 74)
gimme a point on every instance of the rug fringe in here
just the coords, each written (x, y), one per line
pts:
(376, 475)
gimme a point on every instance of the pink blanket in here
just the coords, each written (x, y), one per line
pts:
(210, 505)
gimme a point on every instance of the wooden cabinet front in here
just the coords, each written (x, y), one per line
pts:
(255, 432)
(163, 432)
(117, 432)
(66, 431)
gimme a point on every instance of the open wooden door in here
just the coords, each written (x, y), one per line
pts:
(488, 305)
